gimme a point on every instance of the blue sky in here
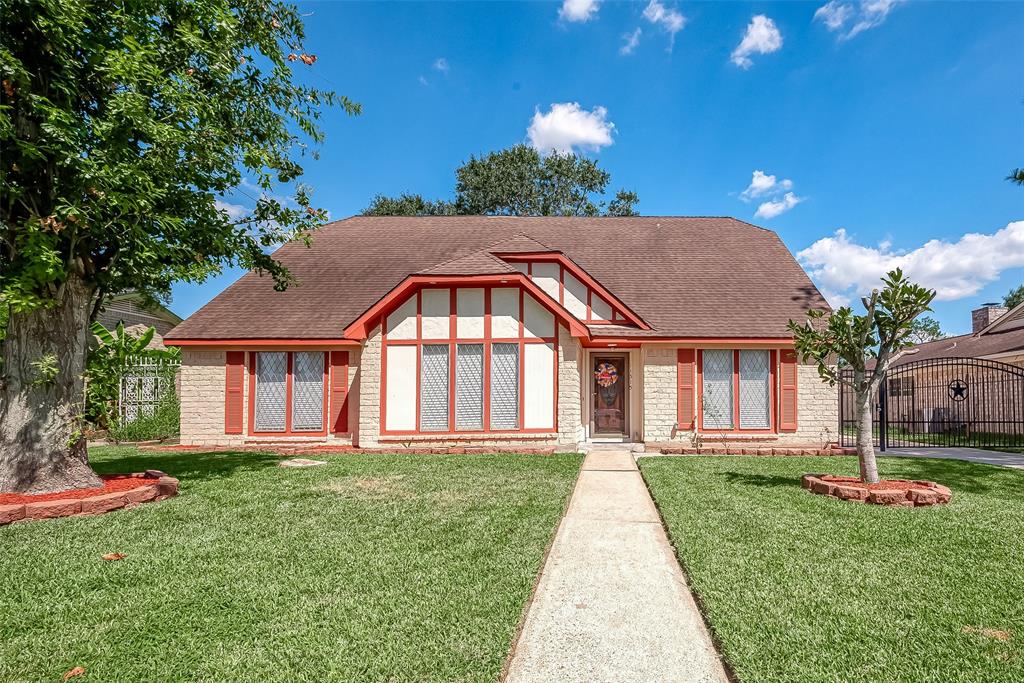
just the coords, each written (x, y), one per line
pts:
(894, 122)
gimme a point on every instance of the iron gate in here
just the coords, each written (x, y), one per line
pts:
(942, 402)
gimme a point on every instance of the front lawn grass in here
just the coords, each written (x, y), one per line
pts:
(372, 567)
(799, 587)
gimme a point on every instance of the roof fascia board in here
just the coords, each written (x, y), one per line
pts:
(220, 343)
(724, 342)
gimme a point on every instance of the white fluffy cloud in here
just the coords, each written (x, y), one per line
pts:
(578, 10)
(566, 126)
(235, 212)
(630, 41)
(838, 15)
(844, 269)
(774, 207)
(762, 37)
(762, 184)
(669, 20)
(441, 64)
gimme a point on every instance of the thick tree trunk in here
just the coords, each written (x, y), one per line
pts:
(42, 447)
(865, 437)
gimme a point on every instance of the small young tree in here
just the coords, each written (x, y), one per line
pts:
(857, 350)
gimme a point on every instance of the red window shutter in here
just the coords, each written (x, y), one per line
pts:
(234, 385)
(685, 403)
(339, 392)
(787, 391)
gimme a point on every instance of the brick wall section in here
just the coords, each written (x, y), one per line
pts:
(201, 391)
(659, 393)
(570, 412)
(202, 399)
(368, 394)
(817, 404)
(817, 409)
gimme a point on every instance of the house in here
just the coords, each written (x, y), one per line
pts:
(513, 332)
(137, 314)
(996, 334)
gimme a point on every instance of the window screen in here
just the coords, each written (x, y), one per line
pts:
(434, 388)
(469, 386)
(308, 391)
(717, 399)
(504, 386)
(271, 376)
(754, 390)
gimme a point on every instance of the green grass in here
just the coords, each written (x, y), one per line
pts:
(799, 587)
(373, 567)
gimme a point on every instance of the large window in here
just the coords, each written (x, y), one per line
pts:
(288, 391)
(504, 386)
(736, 389)
(469, 386)
(462, 360)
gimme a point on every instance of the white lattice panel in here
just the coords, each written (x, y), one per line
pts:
(271, 374)
(469, 386)
(504, 386)
(434, 387)
(754, 390)
(717, 399)
(308, 391)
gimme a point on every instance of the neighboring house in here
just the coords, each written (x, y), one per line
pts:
(996, 334)
(132, 309)
(509, 331)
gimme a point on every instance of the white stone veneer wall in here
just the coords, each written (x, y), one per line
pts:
(659, 393)
(570, 410)
(368, 395)
(817, 404)
(202, 399)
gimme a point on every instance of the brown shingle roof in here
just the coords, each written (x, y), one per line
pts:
(968, 346)
(686, 277)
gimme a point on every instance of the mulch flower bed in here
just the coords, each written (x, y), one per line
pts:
(895, 492)
(118, 491)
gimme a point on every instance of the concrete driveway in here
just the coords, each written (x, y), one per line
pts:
(1015, 460)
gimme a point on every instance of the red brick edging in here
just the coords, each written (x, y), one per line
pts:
(162, 487)
(917, 493)
(720, 449)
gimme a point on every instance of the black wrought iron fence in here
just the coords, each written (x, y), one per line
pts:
(943, 402)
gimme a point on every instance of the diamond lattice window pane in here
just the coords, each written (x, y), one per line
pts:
(434, 387)
(469, 386)
(271, 374)
(308, 391)
(717, 399)
(754, 390)
(504, 386)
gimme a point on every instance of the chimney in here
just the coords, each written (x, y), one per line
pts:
(985, 316)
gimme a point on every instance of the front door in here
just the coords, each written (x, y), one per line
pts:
(609, 400)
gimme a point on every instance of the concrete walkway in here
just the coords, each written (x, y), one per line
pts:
(612, 604)
(972, 454)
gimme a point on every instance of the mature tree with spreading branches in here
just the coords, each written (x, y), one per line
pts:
(518, 181)
(122, 125)
(925, 329)
(1014, 298)
(857, 350)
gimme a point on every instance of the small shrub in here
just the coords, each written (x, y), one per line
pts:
(163, 423)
